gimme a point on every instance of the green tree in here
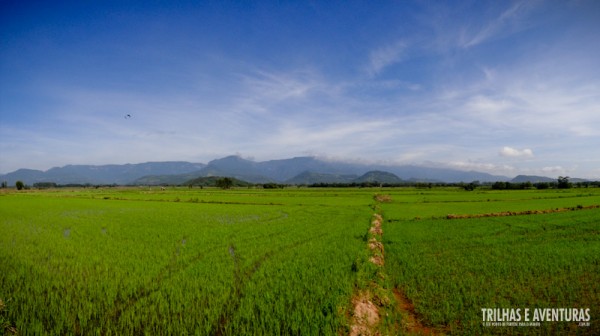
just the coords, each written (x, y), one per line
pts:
(563, 182)
(471, 186)
(20, 185)
(224, 183)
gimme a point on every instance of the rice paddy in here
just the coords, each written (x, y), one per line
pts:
(292, 261)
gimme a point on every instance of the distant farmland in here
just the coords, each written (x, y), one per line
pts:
(299, 261)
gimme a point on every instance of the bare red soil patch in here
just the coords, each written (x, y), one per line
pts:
(366, 316)
(376, 230)
(377, 260)
(375, 246)
(383, 198)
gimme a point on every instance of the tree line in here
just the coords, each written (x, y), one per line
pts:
(562, 182)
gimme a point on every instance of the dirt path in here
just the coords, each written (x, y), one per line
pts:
(372, 305)
(366, 315)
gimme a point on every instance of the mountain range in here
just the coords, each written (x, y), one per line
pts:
(104, 174)
(298, 170)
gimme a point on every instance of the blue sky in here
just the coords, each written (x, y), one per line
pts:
(505, 87)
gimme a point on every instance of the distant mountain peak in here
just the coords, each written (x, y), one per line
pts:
(101, 174)
(531, 178)
(378, 176)
(281, 170)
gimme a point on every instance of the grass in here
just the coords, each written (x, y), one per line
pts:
(288, 261)
(83, 263)
(436, 203)
(451, 269)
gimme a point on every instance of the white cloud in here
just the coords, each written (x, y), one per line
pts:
(507, 22)
(481, 166)
(475, 165)
(339, 137)
(554, 169)
(279, 86)
(513, 152)
(381, 58)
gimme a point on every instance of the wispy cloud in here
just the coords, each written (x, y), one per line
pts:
(385, 56)
(278, 86)
(509, 21)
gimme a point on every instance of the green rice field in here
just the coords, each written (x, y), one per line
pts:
(450, 269)
(115, 261)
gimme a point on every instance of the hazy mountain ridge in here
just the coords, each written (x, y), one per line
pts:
(297, 170)
(531, 178)
(543, 179)
(101, 174)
